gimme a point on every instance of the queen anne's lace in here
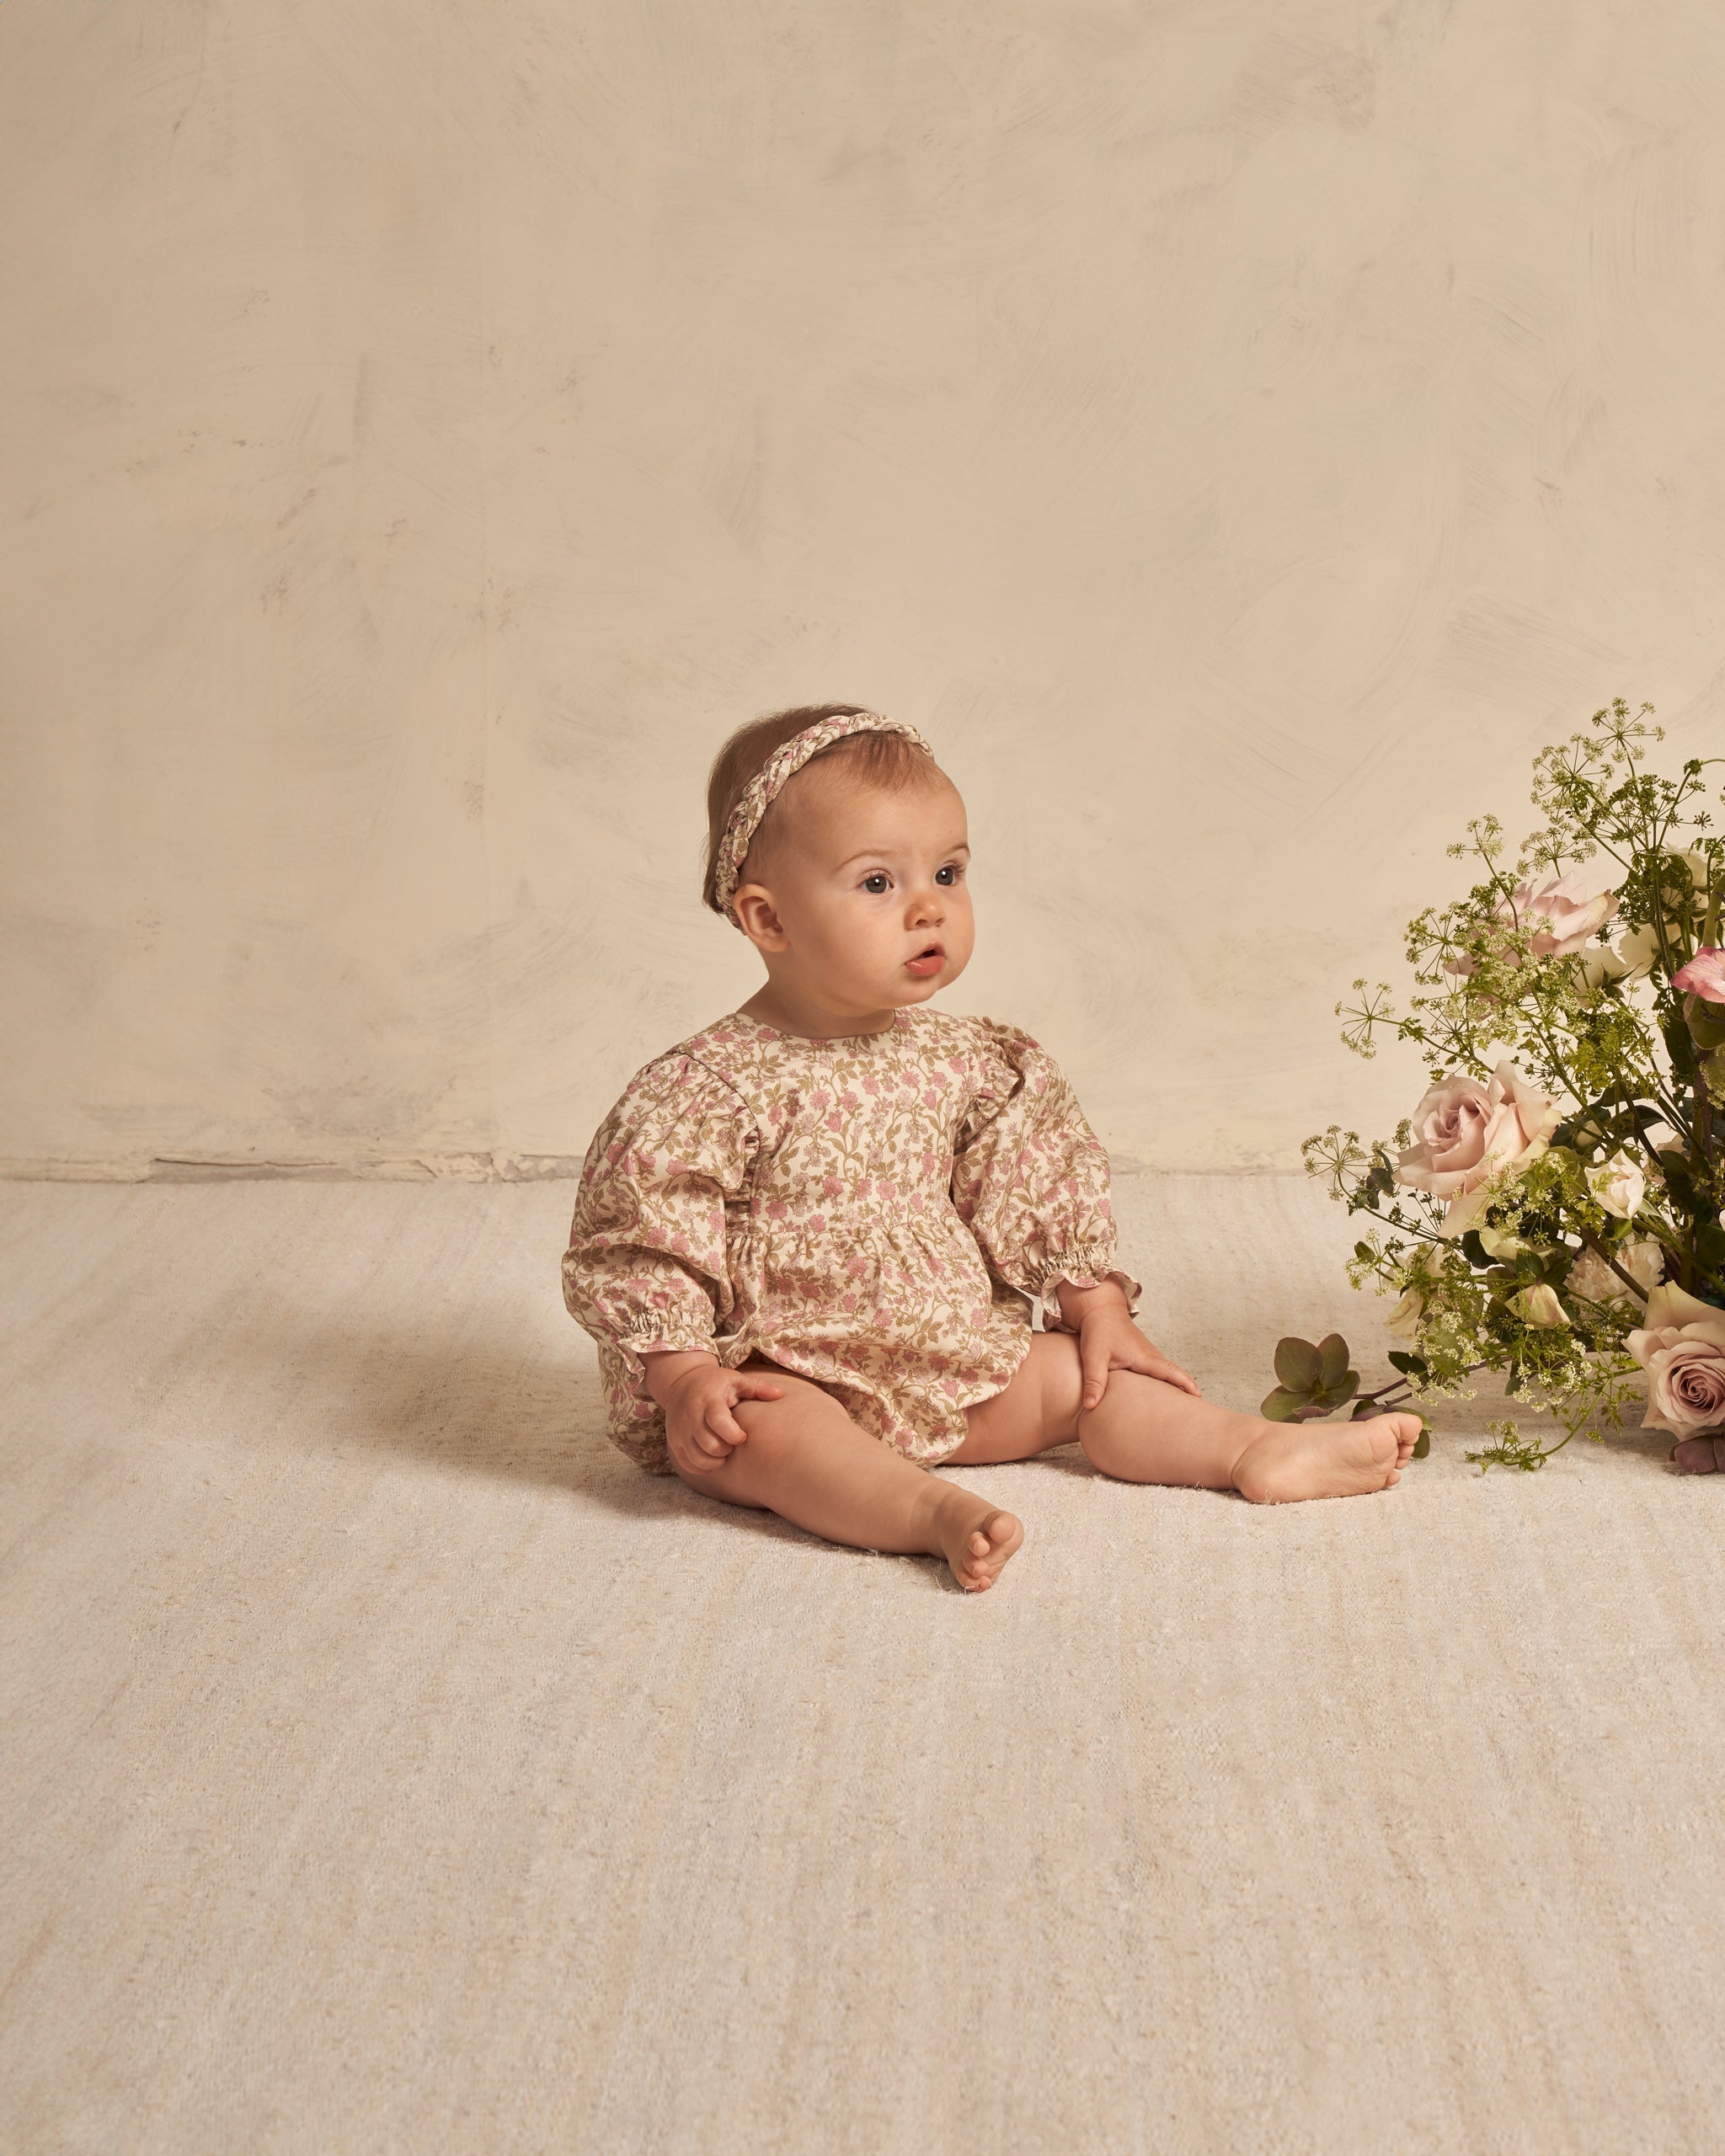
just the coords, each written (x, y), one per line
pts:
(784, 761)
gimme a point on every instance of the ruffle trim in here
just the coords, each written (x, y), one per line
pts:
(1088, 1267)
(648, 1338)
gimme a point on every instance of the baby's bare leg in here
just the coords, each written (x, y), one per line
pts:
(1146, 1431)
(1143, 1430)
(805, 1459)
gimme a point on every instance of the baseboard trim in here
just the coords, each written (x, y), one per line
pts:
(407, 1167)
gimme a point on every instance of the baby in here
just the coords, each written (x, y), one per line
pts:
(807, 1239)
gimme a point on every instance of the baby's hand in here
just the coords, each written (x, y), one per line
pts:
(1108, 1340)
(699, 1426)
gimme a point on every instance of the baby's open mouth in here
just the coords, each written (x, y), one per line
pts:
(927, 959)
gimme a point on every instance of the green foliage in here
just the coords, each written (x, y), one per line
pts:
(1315, 1378)
(1538, 1278)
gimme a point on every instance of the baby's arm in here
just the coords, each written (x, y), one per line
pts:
(697, 1394)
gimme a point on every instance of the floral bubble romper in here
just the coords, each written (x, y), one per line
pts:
(871, 1211)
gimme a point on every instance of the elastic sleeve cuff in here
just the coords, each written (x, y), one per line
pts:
(1084, 1268)
(657, 1336)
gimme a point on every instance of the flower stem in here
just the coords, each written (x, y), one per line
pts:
(1628, 1279)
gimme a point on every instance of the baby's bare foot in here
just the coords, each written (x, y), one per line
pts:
(1290, 1461)
(975, 1539)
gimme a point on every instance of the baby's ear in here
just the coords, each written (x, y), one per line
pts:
(760, 919)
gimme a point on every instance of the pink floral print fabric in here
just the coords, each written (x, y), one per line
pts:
(871, 1211)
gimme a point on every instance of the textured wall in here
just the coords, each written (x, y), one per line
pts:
(1237, 434)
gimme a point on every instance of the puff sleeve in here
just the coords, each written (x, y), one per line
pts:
(646, 1265)
(1031, 1178)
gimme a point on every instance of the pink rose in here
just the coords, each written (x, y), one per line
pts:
(1682, 1349)
(1574, 908)
(1704, 975)
(1464, 1133)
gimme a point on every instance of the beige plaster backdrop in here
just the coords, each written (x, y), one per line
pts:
(1237, 434)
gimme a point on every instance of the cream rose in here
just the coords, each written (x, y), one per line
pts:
(1619, 1184)
(1465, 1132)
(1695, 862)
(1403, 1323)
(1682, 1349)
(1539, 1306)
(1593, 1279)
(1638, 953)
(1601, 964)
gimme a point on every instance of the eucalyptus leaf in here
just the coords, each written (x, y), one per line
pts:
(1338, 1395)
(1333, 1351)
(1422, 1444)
(1299, 1365)
(1282, 1406)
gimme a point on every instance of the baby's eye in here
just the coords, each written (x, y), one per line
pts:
(876, 878)
(955, 869)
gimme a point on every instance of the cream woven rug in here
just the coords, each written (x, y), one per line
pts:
(389, 1765)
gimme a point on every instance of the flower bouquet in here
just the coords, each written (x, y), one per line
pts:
(1551, 1209)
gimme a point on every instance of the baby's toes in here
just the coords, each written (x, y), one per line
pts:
(1407, 1429)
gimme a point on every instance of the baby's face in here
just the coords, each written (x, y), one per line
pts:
(863, 884)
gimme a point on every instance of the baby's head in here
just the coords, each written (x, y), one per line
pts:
(856, 869)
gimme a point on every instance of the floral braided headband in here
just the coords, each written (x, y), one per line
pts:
(753, 802)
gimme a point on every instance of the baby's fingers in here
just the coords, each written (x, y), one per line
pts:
(719, 1415)
(696, 1453)
(1156, 1364)
(719, 1431)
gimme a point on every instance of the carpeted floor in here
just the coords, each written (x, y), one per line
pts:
(389, 1765)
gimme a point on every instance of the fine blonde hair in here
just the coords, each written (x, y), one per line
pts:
(890, 762)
